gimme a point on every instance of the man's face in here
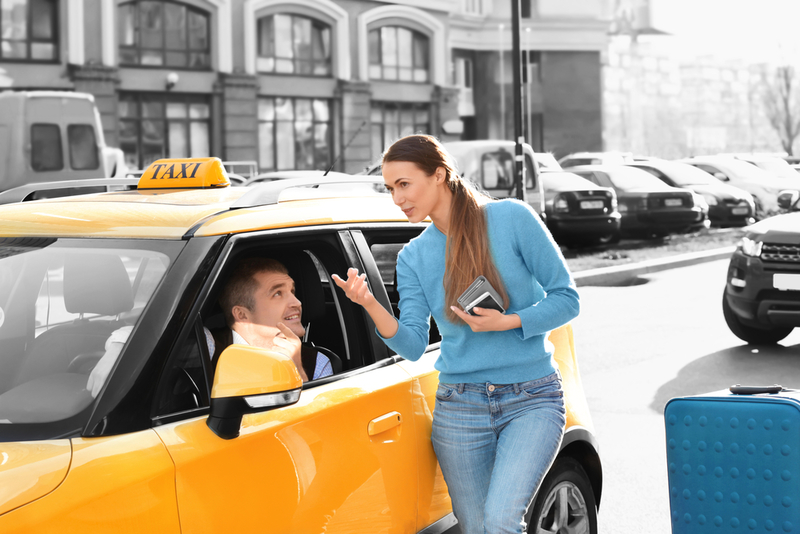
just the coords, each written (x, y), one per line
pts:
(275, 302)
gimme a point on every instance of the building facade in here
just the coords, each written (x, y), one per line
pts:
(300, 84)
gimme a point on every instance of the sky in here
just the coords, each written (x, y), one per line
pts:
(751, 30)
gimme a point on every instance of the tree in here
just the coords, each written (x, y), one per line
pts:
(781, 98)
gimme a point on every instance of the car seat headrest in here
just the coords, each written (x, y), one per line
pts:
(96, 283)
(308, 286)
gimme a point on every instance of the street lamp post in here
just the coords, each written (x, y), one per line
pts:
(502, 87)
(516, 65)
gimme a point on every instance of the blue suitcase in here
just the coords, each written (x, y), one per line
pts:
(734, 461)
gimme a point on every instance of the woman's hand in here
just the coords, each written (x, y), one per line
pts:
(355, 287)
(357, 290)
(488, 320)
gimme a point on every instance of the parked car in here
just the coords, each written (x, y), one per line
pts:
(773, 165)
(596, 158)
(580, 212)
(167, 440)
(728, 205)
(761, 302)
(489, 164)
(649, 207)
(763, 186)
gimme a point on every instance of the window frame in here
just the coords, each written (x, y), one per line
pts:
(29, 40)
(165, 99)
(415, 107)
(275, 122)
(315, 23)
(380, 46)
(138, 48)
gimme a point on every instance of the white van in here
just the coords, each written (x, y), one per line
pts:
(489, 164)
(50, 136)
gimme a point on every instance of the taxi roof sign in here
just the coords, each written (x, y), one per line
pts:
(184, 173)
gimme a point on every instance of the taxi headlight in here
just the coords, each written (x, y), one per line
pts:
(751, 247)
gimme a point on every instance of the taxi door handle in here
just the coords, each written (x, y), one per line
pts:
(384, 423)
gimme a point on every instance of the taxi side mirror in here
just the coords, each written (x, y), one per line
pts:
(250, 380)
(786, 199)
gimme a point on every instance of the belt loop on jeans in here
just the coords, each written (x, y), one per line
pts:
(516, 388)
(460, 388)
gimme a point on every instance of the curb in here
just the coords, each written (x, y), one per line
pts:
(620, 274)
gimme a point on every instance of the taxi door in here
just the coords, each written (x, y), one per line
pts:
(342, 459)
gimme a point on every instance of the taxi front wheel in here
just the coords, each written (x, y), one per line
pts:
(565, 503)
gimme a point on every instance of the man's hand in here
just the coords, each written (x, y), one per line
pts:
(286, 342)
(488, 320)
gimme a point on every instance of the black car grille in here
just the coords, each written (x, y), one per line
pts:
(780, 253)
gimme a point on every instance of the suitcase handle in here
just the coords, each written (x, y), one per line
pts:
(738, 389)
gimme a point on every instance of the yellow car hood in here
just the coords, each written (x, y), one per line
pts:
(30, 470)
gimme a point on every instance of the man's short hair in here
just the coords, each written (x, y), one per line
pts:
(242, 284)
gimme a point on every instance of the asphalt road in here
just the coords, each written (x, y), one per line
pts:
(640, 345)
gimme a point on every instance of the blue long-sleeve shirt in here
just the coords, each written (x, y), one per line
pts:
(540, 290)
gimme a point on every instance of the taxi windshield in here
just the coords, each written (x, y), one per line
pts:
(67, 309)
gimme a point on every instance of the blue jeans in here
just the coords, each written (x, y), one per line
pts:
(495, 442)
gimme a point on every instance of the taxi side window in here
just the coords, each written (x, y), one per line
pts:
(384, 250)
(332, 323)
(184, 386)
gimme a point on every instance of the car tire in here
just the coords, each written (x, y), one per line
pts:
(752, 335)
(565, 502)
(610, 238)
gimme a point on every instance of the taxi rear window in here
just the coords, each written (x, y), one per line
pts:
(67, 310)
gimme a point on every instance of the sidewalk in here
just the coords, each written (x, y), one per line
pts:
(621, 274)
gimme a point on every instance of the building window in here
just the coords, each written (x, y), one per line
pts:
(391, 121)
(291, 44)
(154, 126)
(397, 53)
(29, 30)
(294, 133)
(163, 34)
(473, 7)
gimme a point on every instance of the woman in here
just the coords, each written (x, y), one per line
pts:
(499, 415)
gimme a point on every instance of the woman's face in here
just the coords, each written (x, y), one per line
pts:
(414, 192)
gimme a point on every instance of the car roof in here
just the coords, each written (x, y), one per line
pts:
(179, 213)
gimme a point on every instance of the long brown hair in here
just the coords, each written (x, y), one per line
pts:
(467, 254)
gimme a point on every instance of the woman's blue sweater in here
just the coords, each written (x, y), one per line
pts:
(540, 290)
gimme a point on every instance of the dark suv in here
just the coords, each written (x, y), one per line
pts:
(761, 303)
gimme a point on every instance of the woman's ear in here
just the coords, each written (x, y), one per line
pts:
(440, 174)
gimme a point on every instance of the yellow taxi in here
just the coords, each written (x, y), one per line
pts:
(114, 417)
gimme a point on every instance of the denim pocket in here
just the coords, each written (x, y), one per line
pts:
(444, 392)
(548, 390)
